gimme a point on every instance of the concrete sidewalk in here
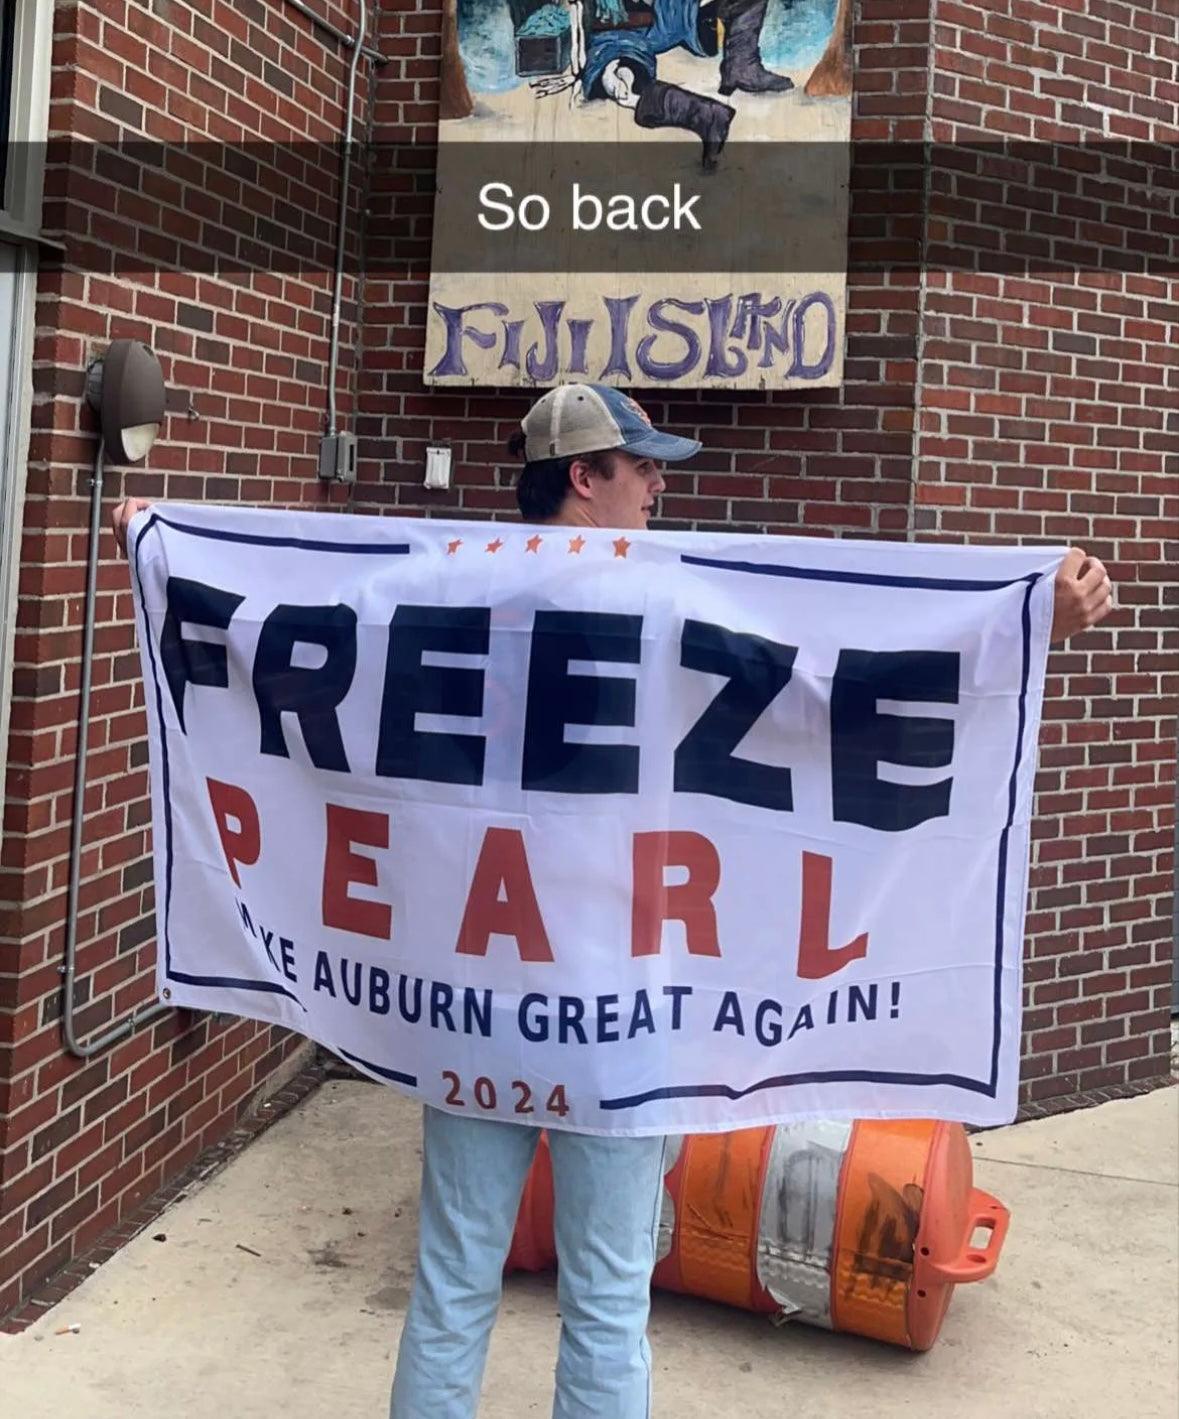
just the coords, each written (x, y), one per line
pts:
(1080, 1319)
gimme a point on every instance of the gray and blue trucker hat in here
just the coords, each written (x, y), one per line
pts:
(591, 418)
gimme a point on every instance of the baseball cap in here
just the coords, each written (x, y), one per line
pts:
(591, 418)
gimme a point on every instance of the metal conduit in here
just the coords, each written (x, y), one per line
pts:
(326, 26)
(69, 969)
(342, 219)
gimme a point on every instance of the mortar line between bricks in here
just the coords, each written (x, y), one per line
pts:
(1076, 1172)
(54, 1289)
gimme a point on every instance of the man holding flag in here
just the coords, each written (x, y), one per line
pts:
(592, 460)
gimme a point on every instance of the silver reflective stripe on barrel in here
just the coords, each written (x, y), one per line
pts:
(665, 1238)
(796, 1232)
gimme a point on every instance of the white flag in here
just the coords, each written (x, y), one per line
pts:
(626, 833)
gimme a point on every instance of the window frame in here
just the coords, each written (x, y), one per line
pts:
(29, 24)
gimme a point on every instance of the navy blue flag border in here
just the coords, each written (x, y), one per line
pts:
(987, 1087)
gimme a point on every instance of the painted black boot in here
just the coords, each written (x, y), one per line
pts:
(741, 65)
(668, 106)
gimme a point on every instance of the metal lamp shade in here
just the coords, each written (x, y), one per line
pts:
(131, 406)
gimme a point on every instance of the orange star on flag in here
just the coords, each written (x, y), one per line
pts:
(452, 547)
(576, 544)
(621, 547)
(494, 547)
(533, 543)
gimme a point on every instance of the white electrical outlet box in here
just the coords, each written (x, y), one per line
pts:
(437, 466)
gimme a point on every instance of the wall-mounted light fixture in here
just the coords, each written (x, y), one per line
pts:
(126, 389)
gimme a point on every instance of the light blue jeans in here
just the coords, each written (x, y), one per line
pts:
(608, 1193)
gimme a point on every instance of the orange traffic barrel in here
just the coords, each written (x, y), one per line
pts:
(864, 1227)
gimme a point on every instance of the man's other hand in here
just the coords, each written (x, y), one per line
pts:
(1083, 595)
(122, 516)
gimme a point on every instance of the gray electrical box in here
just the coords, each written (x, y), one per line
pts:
(337, 458)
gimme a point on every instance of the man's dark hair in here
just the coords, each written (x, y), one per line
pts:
(544, 484)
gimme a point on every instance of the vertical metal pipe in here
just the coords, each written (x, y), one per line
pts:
(342, 220)
(77, 823)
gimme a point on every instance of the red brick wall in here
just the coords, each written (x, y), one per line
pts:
(1048, 411)
(1041, 393)
(82, 1145)
(826, 462)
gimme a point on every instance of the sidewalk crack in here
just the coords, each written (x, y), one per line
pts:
(1076, 1172)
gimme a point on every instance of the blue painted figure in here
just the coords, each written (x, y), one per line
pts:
(677, 23)
(621, 59)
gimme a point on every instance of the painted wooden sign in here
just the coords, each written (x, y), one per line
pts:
(642, 192)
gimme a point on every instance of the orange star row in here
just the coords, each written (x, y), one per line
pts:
(621, 545)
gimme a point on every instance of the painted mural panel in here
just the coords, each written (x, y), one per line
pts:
(642, 192)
